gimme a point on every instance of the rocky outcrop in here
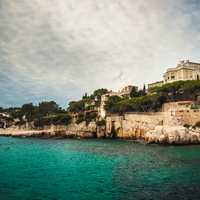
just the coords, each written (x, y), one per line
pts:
(158, 127)
(156, 134)
(73, 130)
(173, 135)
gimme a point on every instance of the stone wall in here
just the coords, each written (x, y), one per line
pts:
(180, 113)
(135, 125)
(188, 117)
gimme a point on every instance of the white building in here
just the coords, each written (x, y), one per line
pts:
(185, 70)
(121, 93)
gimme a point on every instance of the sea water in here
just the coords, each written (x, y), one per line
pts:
(43, 169)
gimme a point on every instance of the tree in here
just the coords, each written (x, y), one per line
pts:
(76, 106)
(144, 89)
(48, 107)
(80, 118)
(57, 119)
(85, 96)
(90, 116)
(134, 92)
(28, 110)
(87, 117)
(98, 93)
(180, 90)
(112, 104)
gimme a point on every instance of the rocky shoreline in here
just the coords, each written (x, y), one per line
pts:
(48, 133)
(173, 135)
(176, 135)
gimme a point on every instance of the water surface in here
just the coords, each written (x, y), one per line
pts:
(41, 169)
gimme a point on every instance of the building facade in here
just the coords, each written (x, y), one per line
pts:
(185, 70)
(124, 92)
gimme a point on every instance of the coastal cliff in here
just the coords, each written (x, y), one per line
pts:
(159, 134)
(73, 130)
(164, 127)
(173, 135)
(156, 127)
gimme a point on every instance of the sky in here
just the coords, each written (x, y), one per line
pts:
(58, 50)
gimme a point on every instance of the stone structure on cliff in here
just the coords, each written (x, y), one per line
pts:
(126, 91)
(185, 70)
(159, 127)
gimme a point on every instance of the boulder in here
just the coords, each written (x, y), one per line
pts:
(172, 135)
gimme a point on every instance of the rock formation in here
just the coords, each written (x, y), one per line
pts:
(173, 135)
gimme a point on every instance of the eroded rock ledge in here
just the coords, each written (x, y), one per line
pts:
(159, 135)
(173, 135)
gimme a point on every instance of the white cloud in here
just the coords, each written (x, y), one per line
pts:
(62, 48)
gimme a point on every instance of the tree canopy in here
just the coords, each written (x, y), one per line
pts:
(48, 107)
(153, 101)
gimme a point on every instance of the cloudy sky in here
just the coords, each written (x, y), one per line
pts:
(57, 50)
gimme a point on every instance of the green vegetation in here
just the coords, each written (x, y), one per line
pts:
(86, 108)
(86, 116)
(49, 112)
(76, 106)
(180, 90)
(28, 110)
(101, 122)
(90, 116)
(46, 113)
(87, 102)
(136, 93)
(58, 119)
(147, 103)
(153, 101)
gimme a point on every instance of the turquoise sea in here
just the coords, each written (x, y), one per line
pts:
(56, 169)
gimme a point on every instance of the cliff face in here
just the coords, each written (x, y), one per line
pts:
(159, 127)
(71, 131)
(173, 135)
(76, 130)
(134, 125)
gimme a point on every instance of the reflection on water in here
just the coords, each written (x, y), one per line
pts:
(97, 169)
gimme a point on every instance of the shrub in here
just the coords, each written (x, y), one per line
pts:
(80, 118)
(90, 116)
(76, 106)
(58, 119)
(101, 123)
(87, 117)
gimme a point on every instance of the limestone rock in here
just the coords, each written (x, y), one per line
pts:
(172, 135)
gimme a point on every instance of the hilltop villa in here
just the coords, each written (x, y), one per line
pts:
(185, 70)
